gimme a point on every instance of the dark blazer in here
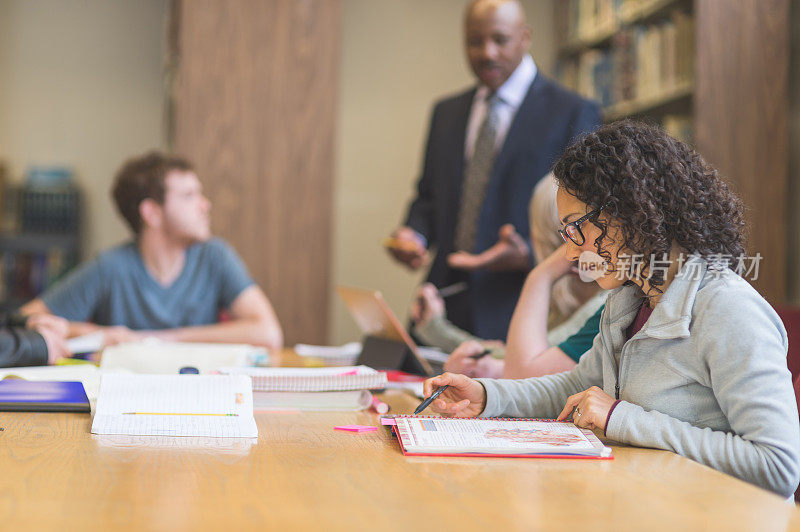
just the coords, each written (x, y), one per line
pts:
(548, 118)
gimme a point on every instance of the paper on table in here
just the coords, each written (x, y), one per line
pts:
(155, 356)
(433, 355)
(88, 374)
(415, 388)
(88, 343)
(325, 351)
(175, 394)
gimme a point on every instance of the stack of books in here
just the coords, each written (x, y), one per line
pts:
(325, 389)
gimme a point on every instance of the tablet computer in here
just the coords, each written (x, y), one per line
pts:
(381, 330)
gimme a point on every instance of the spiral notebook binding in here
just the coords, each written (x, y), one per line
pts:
(317, 383)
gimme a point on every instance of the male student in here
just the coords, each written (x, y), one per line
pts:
(487, 148)
(173, 279)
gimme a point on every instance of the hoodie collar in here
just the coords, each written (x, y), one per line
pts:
(673, 313)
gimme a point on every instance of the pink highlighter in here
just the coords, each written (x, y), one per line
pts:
(379, 406)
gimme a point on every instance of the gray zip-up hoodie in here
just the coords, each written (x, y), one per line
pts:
(705, 377)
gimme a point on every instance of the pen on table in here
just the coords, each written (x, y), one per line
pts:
(482, 354)
(453, 289)
(173, 414)
(424, 404)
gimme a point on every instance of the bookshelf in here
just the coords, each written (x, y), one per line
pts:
(711, 72)
(652, 103)
(610, 18)
(39, 240)
(635, 57)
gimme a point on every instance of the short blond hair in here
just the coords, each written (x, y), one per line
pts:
(545, 240)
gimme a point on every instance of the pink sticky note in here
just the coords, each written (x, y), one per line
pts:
(356, 428)
(388, 421)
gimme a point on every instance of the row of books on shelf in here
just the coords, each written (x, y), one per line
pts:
(642, 62)
(41, 210)
(589, 20)
(25, 275)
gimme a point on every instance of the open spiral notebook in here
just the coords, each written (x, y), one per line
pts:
(532, 438)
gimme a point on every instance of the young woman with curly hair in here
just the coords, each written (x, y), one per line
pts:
(689, 357)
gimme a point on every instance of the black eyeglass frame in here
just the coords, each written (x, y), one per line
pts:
(577, 225)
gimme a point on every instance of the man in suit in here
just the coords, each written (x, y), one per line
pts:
(486, 150)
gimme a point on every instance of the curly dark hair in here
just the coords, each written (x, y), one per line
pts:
(657, 188)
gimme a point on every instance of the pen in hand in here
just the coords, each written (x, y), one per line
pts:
(482, 354)
(424, 404)
(452, 289)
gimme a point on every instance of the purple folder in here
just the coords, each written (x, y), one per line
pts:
(17, 395)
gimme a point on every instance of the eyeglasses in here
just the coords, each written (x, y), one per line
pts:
(572, 231)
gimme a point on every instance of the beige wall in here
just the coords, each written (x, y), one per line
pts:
(81, 85)
(397, 58)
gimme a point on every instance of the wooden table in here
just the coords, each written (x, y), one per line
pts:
(301, 475)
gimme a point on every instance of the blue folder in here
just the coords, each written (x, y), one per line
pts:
(17, 395)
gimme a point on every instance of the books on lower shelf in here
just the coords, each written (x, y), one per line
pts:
(322, 389)
(532, 438)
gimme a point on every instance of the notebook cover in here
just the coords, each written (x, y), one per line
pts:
(18, 395)
(495, 455)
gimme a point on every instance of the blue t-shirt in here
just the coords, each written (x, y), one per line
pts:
(116, 289)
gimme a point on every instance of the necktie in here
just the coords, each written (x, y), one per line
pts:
(476, 179)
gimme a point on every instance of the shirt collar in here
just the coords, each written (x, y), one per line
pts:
(673, 314)
(513, 91)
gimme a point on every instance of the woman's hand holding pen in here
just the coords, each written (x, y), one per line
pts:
(589, 408)
(464, 397)
(466, 360)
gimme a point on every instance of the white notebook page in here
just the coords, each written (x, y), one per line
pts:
(140, 404)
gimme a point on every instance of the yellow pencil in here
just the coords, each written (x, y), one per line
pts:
(172, 414)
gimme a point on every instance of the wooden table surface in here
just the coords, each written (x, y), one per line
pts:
(301, 474)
